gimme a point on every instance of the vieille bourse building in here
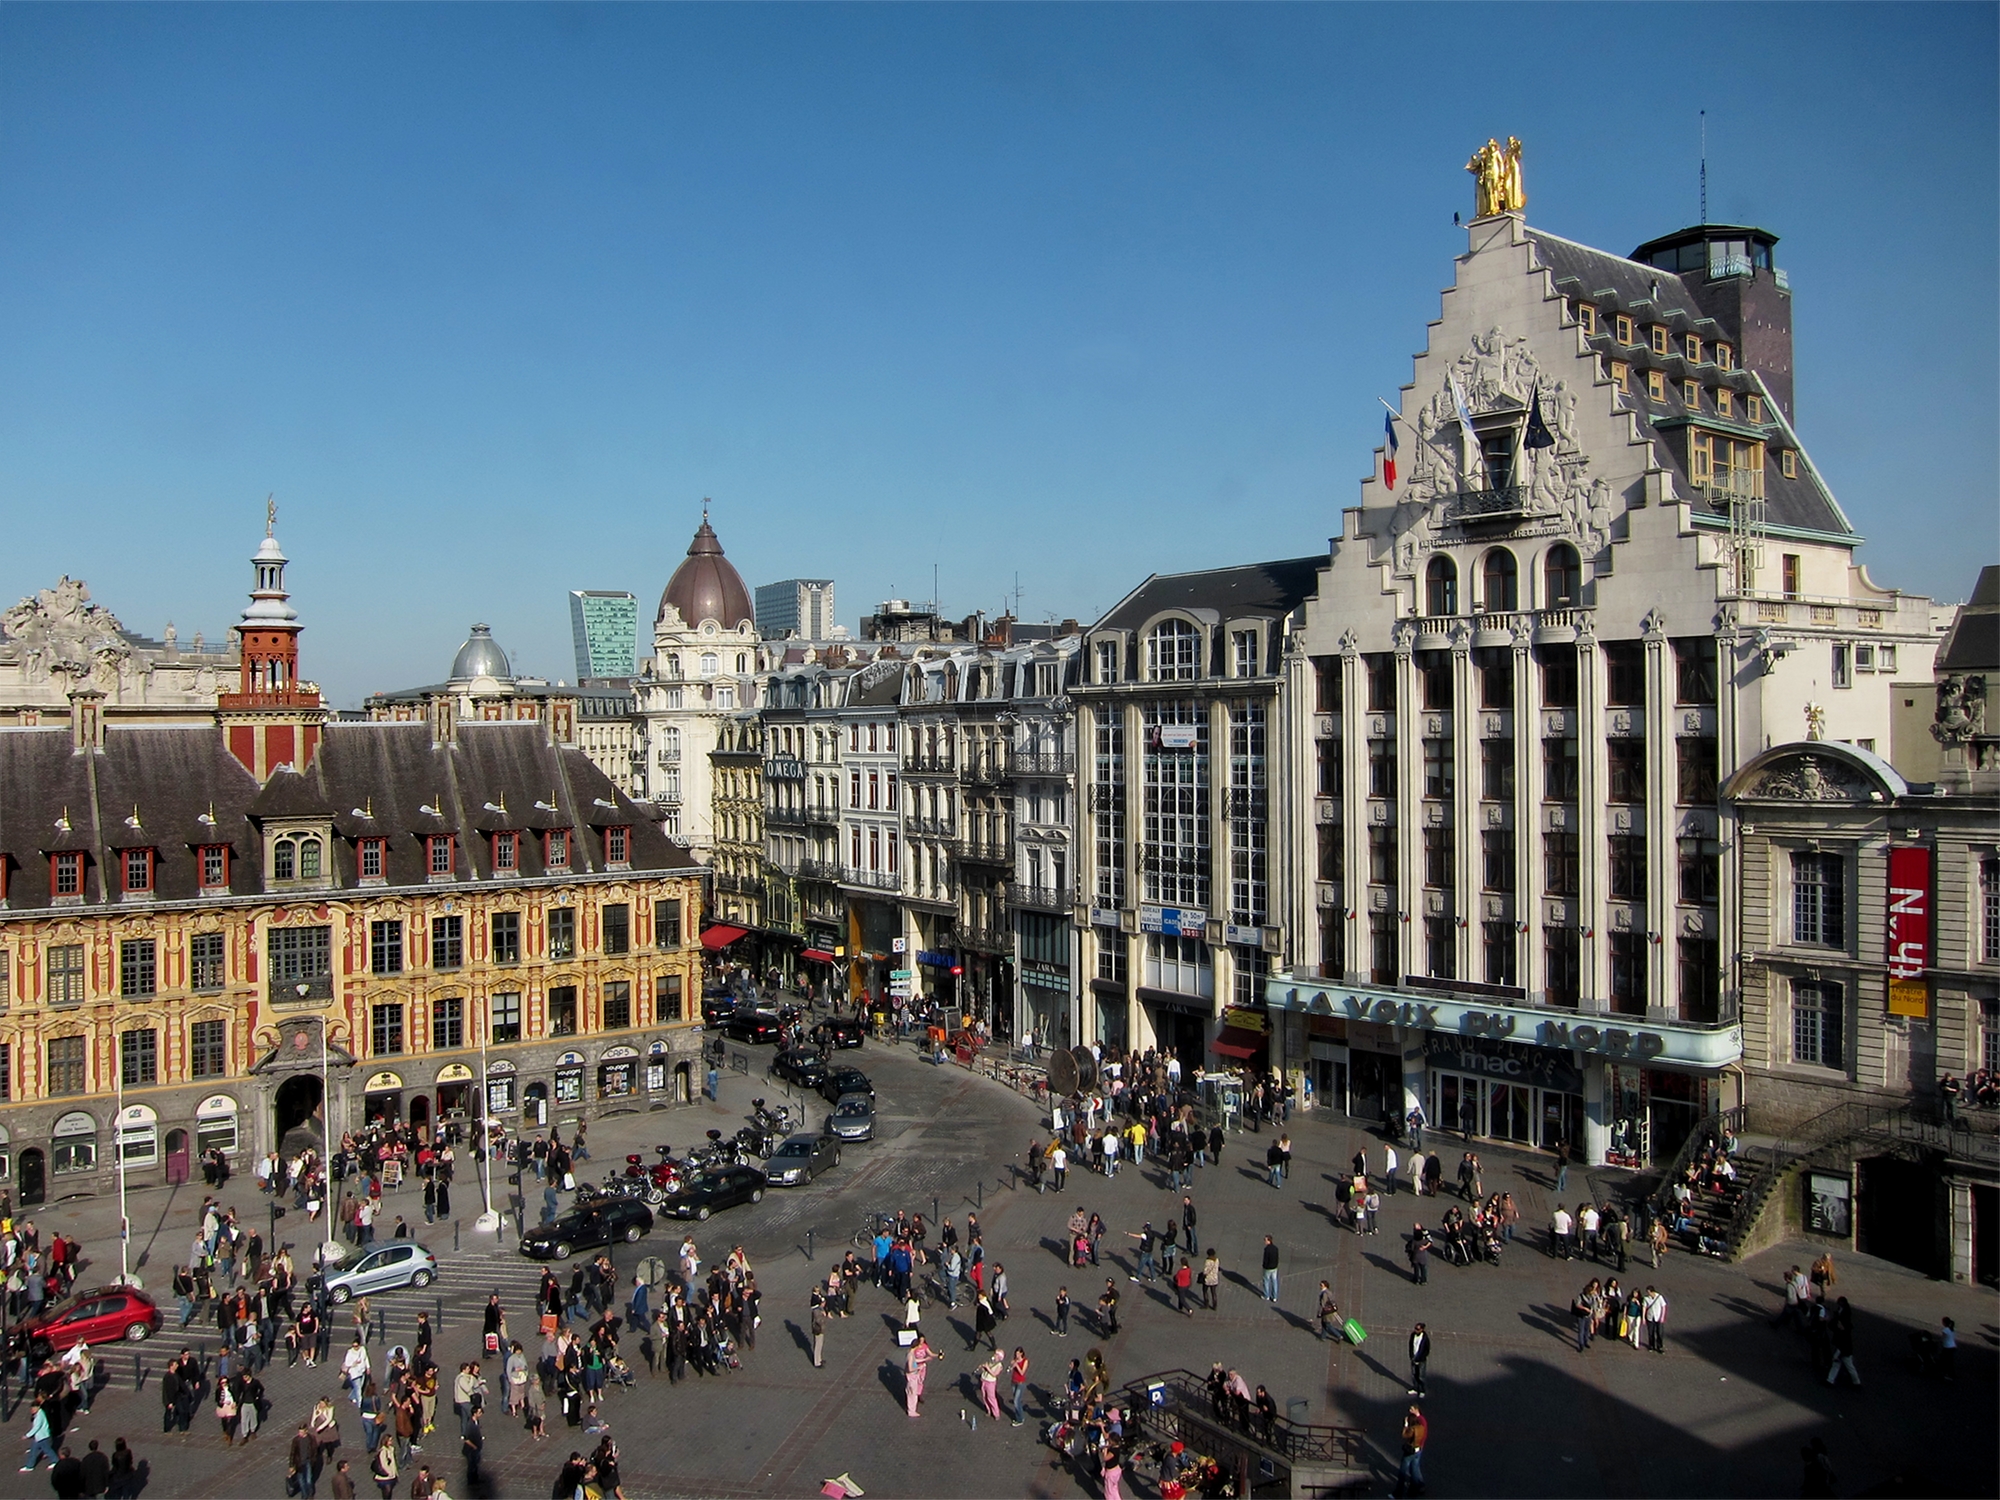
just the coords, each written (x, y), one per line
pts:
(198, 922)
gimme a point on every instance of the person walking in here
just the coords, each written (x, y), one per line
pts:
(1420, 1255)
(41, 1438)
(818, 1327)
(1184, 1289)
(1270, 1270)
(1211, 1280)
(1389, 1165)
(1187, 1226)
(1328, 1310)
(1585, 1309)
(1560, 1225)
(1562, 1166)
(1062, 1312)
(1420, 1356)
(1654, 1310)
(1416, 1436)
(1059, 1164)
(1017, 1375)
(1842, 1328)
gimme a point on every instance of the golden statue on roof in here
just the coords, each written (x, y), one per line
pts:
(1496, 169)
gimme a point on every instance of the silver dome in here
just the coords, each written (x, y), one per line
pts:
(481, 656)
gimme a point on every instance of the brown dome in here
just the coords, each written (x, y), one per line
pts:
(707, 586)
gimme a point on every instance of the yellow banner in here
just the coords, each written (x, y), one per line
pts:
(1910, 997)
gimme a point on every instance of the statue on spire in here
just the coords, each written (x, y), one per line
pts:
(1496, 169)
(271, 514)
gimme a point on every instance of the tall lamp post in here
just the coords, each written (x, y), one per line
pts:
(330, 1252)
(488, 1220)
(118, 1145)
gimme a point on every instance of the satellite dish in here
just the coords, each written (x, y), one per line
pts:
(1086, 1067)
(1062, 1074)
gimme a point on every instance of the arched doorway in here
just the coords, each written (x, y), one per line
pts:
(33, 1167)
(420, 1110)
(299, 1116)
(177, 1157)
(683, 1083)
(535, 1106)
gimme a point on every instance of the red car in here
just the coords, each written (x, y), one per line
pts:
(102, 1316)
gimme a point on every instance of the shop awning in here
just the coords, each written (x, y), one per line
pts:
(817, 955)
(720, 936)
(1233, 1041)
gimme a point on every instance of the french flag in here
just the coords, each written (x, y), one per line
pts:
(1389, 456)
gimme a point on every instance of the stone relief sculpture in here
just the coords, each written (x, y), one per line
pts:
(60, 632)
(1811, 779)
(1961, 709)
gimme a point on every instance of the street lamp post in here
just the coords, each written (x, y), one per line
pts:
(118, 1146)
(488, 1220)
(330, 1251)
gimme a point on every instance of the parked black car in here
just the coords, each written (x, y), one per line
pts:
(600, 1222)
(715, 1009)
(842, 1081)
(743, 1025)
(840, 1031)
(806, 1069)
(701, 1195)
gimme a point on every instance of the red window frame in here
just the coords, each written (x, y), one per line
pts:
(555, 848)
(618, 844)
(432, 846)
(510, 842)
(72, 861)
(365, 847)
(139, 861)
(201, 854)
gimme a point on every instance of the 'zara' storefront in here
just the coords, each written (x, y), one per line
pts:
(1627, 1090)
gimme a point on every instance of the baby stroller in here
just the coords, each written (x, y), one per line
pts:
(725, 1354)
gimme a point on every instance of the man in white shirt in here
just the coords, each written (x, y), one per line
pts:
(1653, 1308)
(1389, 1171)
(1586, 1222)
(1111, 1153)
(1559, 1226)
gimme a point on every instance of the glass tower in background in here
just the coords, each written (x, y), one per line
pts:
(604, 627)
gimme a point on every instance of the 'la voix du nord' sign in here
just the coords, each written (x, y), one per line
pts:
(1705, 1048)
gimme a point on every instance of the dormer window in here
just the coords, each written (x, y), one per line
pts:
(506, 852)
(66, 874)
(1725, 401)
(1243, 651)
(555, 849)
(617, 845)
(214, 866)
(1693, 350)
(136, 871)
(1173, 652)
(1107, 661)
(438, 852)
(369, 859)
(1586, 314)
(1660, 339)
(1723, 358)
(1627, 331)
(1788, 461)
(1753, 407)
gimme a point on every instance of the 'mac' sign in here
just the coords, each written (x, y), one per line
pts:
(1909, 930)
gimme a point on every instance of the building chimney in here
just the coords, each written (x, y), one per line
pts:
(86, 719)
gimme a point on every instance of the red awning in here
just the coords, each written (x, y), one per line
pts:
(721, 935)
(1233, 1041)
(817, 955)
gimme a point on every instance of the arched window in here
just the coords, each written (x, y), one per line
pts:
(708, 663)
(742, 661)
(1441, 587)
(1502, 596)
(309, 859)
(1173, 652)
(285, 860)
(1562, 578)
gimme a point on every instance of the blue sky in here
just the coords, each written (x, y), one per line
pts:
(492, 296)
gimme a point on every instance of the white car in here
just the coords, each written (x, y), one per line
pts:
(386, 1268)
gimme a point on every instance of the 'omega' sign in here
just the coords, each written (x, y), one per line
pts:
(1612, 1041)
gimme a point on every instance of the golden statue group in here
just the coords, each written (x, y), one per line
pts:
(1497, 171)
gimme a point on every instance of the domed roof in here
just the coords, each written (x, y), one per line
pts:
(707, 586)
(480, 656)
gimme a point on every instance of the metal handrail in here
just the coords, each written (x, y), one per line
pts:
(1295, 1442)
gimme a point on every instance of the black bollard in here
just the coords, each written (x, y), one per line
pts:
(809, 1244)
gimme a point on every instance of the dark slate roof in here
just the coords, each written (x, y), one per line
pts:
(1973, 642)
(368, 780)
(1616, 284)
(1266, 588)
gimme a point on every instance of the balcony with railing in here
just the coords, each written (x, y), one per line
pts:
(820, 869)
(984, 850)
(301, 989)
(1057, 898)
(1043, 763)
(982, 937)
(920, 764)
(989, 769)
(930, 828)
(870, 880)
(1500, 505)
(785, 817)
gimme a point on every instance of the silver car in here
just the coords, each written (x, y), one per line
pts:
(853, 1118)
(801, 1159)
(386, 1268)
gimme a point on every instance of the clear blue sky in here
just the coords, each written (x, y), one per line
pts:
(492, 296)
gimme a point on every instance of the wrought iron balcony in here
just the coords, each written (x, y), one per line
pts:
(871, 880)
(1504, 503)
(930, 765)
(1043, 763)
(988, 770)
(785, 817)
(302, 989)
(983, 939)
(984, 851)
(819, 869)
(1041, 897)
(937, 828)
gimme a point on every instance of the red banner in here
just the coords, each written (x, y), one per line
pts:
(1909, 945)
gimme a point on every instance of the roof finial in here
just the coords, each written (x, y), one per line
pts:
(271, 514)
(704, 510)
